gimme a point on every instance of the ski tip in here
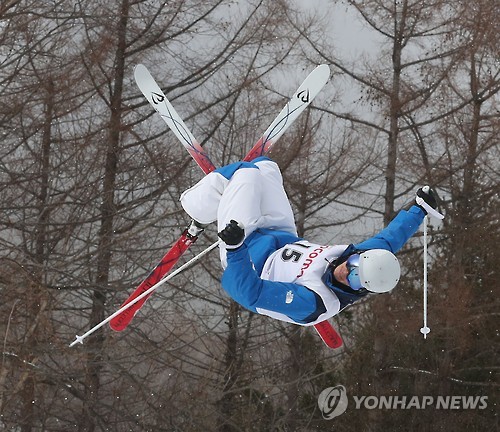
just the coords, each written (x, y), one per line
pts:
(140, 70)
(322, 73)
(328, 334)
(324, 68)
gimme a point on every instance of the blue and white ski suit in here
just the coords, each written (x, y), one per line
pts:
(275, 272)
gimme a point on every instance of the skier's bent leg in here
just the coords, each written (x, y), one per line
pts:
(201, 201)
(275, 207)
(241, 200)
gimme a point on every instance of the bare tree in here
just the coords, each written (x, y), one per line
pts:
(447, 135)
(78, 218)
(90, 179)
(36, 220)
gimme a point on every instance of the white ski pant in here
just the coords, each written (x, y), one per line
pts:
(252, 196)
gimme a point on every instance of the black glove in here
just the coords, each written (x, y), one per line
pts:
(427, 201)
(233, 235)
(428, 195)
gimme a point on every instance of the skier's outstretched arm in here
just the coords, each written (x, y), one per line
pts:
(397, 233)
(405, 224)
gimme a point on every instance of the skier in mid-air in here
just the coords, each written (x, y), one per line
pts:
(269, 269)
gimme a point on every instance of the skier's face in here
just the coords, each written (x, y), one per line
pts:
(341, 272)
(347, 273)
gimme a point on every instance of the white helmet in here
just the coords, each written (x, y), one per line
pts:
(379, 270)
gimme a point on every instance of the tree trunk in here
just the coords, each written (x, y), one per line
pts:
(394, 114)
(108, 212)
(231, 372)
(37, 298)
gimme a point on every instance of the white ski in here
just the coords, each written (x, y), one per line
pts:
(160, 103)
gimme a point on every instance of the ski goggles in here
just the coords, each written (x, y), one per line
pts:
(352, 264)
